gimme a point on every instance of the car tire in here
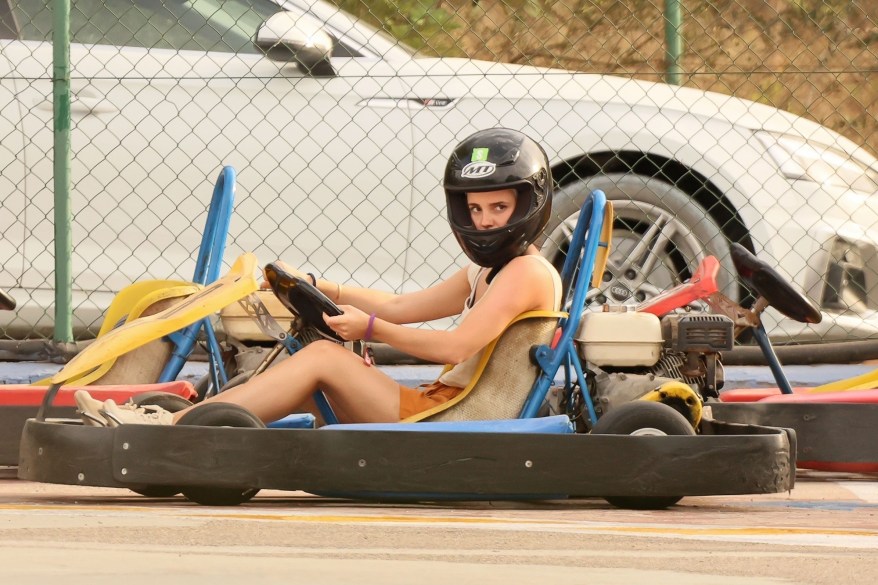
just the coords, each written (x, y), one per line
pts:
(644, 418)
(685, 234)
(219, 414)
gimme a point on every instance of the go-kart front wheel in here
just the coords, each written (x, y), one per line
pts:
(643, 418)
(171, 403)
(220, 414)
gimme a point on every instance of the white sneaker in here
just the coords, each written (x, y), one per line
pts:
(129, 414)
(89, 409)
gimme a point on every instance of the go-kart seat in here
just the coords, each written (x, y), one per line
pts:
(505, 374)
(143, 365)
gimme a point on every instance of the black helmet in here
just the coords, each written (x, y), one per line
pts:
(491, 160)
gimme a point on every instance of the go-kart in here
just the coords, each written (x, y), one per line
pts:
(638, 454)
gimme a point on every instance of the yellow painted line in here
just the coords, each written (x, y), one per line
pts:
(335, 519)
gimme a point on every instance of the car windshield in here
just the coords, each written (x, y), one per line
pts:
(199, 25)
(353, 29)
(227, 26)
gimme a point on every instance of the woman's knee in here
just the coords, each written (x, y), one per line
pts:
(323, 349)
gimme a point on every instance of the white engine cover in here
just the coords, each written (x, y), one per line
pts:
(620, 338)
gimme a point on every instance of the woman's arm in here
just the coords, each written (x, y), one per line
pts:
(441, 300)
(524, 285)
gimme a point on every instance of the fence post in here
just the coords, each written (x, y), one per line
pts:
(673, 42)
(61, 159)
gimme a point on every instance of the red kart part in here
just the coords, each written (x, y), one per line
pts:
(20, 402)
(701, 285)
(753, 394)
(27, 395)
(800, 394)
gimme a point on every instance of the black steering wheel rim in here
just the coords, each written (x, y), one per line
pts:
(764, 280)
(302, 299)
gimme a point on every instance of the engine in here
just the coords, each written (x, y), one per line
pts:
(628, 354)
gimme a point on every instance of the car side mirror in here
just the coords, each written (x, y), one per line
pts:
(285, 36)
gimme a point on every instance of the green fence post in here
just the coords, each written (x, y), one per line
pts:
(673, 42)
(61, 158)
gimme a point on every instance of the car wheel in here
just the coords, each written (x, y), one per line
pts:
(660, 235)
(643, 418)
(219, 414)
(171, 403)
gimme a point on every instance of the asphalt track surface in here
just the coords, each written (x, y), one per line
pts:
(825, 531)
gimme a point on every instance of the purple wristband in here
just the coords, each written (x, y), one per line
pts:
(369, 327)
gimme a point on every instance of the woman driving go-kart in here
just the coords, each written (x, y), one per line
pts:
(498, 189)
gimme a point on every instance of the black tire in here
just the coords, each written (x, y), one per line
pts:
(640, 203)
(171, 403)
(643, 417)
(157, 491)
(202, 387)
(219, 414)
(166, 400)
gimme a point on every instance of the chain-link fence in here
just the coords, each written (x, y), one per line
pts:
(340, 162)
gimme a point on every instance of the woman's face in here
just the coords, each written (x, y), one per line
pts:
(491, 209)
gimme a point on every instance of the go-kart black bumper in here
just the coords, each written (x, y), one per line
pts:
(829, 436)
(724, 459)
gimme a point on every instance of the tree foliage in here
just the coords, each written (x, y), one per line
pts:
(421, 24)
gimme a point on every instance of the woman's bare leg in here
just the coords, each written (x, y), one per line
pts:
(362, 393)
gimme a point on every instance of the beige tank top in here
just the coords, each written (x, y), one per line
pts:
(460, 375)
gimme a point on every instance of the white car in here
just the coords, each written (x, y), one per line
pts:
(340, 160)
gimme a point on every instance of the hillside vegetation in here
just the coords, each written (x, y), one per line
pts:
(816, 58)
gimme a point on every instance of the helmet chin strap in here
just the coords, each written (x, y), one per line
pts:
(495, 270)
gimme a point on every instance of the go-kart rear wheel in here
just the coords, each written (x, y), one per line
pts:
(171, 403)
(643, 418)
(220, 414)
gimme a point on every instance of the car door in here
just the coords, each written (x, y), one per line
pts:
(12, 170)
(323, 178)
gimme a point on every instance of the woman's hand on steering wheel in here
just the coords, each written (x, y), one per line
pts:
(351, 325)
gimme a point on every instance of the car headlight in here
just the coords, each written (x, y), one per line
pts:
(802, 159)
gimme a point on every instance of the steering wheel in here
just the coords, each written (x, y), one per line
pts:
(7, 303)
(302, 299)
(766, 282)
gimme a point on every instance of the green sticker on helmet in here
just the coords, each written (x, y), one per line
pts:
(479, 154)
